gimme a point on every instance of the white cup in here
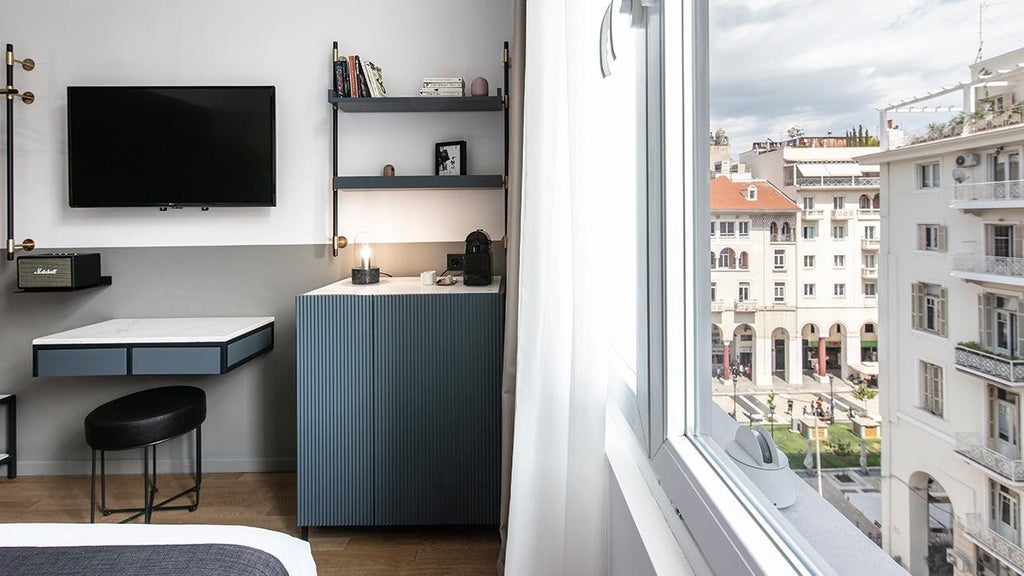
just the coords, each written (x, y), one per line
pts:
(428, 278)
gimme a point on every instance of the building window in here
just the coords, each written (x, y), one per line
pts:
(809, 232)
(714, 291)
(869, 328)
(714, 260)
(780, 292)
(931, 388)
(809, 261)
(744, 261)
(751, 192)
(743, 227)
(779, 260)
(928, 175)
(870, 289)
(864, 203)
(1004, 511)
(727, 229)
(870, 232)
(929, 307)
(870, 261)
(809, 290)
(838, 202)
(839, 290)
(808, 203)
(839, 261)
(743, 293)
(839, 231)
(713, 226)
(1003, 421)
(727, 259)
(931, 237)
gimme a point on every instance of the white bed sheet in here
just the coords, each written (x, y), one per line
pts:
(293, 553)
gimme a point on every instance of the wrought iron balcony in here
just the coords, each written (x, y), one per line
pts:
(981, 195)
(872, 244)
(844, 214)
(1007, 551)
(971, 447)
(837, 182)
(815, 214)
(989, 268)
(988, 365)
(869, 213)
(746, 305)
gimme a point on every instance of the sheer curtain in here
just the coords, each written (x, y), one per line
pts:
(579, 147)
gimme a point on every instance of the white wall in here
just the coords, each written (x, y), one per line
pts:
(263, 42)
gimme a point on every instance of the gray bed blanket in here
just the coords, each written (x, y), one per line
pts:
(148, 560)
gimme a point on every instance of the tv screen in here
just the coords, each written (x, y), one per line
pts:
(171, 146)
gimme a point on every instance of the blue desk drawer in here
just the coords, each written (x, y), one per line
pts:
(81, 362)
(180, 360)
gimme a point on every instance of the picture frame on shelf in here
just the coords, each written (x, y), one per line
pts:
(450, 158)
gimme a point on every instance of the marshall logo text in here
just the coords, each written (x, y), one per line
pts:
(45, 271)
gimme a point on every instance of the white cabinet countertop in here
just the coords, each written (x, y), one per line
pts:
(157, 331)
(404, 285)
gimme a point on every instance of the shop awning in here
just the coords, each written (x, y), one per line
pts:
(866, 369)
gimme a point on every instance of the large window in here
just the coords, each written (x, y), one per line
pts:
(809, 261)
(929, 307)
(727, 229)
(931, 388)
(1004, 511)
(809, 232)
(839, 231)
(931, 237)
(780, 292)
(779, 260)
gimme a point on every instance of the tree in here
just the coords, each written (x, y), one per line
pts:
(795, 132)
(863, 393)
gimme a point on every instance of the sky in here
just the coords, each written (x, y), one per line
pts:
(828, 65)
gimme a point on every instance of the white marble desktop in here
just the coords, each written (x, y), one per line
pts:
(157, 331)
(404, 285)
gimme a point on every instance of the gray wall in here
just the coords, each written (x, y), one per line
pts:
(250, 424)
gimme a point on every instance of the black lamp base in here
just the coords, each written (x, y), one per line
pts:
(366, 275)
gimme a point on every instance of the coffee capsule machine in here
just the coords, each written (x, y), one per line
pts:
(477, 268)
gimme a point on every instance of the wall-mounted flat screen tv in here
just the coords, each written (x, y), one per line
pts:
(171, 146)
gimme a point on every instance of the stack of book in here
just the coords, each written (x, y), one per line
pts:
(443, 87)
(358, 78)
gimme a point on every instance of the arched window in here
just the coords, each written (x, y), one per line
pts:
(786, 232)
(713, 260)
(727, 259)
(876, 201)
(743, 261)
(865, 202)
(773, 229)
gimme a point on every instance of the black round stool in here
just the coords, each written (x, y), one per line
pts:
(143, 420)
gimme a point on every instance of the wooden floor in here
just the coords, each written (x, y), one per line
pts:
(265, 501)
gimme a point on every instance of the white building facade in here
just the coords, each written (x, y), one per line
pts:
(952, 296)
(837, 240)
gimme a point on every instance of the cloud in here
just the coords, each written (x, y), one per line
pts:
(830, 65)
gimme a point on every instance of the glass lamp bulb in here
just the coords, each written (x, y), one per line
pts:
(364, 255)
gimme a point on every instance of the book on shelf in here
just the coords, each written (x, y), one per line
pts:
(364, 87)
(375, 79)
(353, 77)
(341, 81)
(456, 81)
(451, 92)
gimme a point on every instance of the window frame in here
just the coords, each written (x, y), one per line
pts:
(813, 228)
(931, 388)
(812, 261)
(839, 290)
(779, 297)
(813, 290)
(933, 179)
(779, 260)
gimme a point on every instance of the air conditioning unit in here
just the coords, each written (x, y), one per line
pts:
(957, 560)
(967, 160)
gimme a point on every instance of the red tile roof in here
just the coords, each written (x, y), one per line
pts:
(730, 196)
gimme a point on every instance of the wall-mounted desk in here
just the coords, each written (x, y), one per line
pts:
(134, 346)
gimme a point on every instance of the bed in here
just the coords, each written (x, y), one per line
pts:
(151, 549)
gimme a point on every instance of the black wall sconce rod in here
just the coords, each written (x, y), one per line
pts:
(27, 97)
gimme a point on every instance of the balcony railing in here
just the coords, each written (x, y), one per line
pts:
(844, 214)
(869, 213)
(837, 181)
(967, 264)
(815, 214)
(869, 273)
(746, 305)
(971, 447)
(988, 365)
(783, 238)
(1008, 191)
(717, 305)
(870, 244)
(1009, 552)
(996, 119)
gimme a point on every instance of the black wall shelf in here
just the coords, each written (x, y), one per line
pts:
(104, 281)
(417, 104)
(377, 182)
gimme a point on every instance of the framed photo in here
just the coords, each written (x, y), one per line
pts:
(450, 158)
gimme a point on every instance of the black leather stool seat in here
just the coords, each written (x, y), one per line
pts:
(145, 418)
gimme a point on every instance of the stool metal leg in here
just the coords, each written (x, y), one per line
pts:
(12, 438)
(103, 483)
(147, 503)
(199, 464)
(92, 490)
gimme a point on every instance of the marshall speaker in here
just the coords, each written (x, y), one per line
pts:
(56, 271)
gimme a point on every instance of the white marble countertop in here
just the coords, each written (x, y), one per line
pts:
(157, 331)
(404, 285)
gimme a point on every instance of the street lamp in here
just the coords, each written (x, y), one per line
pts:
(832, 400)
(735, 379)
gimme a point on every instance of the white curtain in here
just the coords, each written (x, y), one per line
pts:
(574, 176)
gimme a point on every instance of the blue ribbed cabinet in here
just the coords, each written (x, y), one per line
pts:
(399, 406)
